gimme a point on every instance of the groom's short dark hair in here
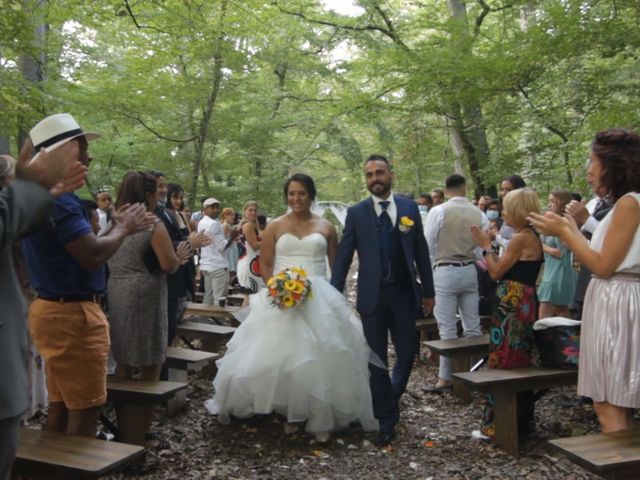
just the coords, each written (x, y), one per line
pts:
(376, 157)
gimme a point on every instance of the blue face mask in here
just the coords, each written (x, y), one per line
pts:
(493, 214)
(423, 208)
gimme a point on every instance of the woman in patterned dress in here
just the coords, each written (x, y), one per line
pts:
(249, 263)
(511, 332)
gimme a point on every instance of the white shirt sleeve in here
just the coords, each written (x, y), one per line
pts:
(590, 225)
(435, 219)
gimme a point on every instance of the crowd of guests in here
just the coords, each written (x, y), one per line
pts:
(115, 276)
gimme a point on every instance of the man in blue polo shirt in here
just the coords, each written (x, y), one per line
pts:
(65, 262)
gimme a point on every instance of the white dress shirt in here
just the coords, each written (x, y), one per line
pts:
(392, 210)
(212, 257)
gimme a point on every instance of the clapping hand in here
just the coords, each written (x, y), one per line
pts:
(551, 223)
(183, 252)
(72, 181)
(480, 238)
(58, 170)
(578, 211)
(133, 218)
(197, 240)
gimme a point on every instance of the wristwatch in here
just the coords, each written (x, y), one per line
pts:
(493, 249)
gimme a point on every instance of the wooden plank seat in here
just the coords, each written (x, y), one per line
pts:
(504, 386)
(461, 351)
(45, 454)
(613, 456)
(428, 328)
(181, 361)
(211, 336)
(141, 392)
(132, 399)
(214, 311)
(237, 299)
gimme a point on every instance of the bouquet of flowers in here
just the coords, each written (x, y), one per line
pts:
(289, 288)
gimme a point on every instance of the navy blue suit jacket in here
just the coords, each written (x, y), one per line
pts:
(360, 235)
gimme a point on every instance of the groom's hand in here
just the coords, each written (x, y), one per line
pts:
(427, 306)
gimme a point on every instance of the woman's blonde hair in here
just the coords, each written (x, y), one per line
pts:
(519, 203)
(227, 211)
(250, 203)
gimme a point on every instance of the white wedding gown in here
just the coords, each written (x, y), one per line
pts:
(308, 363)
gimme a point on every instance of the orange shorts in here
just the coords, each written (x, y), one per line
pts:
(73, 339)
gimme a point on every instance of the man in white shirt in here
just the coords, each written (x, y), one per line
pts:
(213, 262)
(103, 200)
(454, 273)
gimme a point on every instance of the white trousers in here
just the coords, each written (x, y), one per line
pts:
(456, 291)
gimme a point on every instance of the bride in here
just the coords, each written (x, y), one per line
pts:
(310, 362)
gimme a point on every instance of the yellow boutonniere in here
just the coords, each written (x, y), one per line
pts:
(405, 224)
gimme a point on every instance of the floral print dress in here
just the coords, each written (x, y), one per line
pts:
(511, 337)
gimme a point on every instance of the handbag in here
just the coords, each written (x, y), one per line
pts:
(558, 341)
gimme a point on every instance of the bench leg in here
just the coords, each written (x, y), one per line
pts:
(460, 364)
(133, 422)
(212, 345)
(179, 401)
(506, 421)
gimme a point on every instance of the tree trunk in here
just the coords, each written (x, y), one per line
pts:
(468, 122)
(205, 121)
(32, 68)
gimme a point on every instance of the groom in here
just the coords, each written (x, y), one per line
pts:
(386, 231)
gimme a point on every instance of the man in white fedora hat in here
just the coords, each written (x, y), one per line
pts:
(66, 261)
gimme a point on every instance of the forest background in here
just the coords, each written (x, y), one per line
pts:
(228, 97)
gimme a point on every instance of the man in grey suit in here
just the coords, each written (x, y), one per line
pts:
(23, 206)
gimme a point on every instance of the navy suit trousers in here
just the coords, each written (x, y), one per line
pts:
(395, 314)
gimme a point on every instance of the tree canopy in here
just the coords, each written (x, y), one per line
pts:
(228, 98)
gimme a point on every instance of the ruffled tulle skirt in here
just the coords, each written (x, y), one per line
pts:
(308, 363)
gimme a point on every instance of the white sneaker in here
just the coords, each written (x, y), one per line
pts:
(322, 437)
(478, 435)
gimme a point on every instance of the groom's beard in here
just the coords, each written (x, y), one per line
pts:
(379, 189)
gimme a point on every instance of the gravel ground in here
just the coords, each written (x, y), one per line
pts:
(434, 442)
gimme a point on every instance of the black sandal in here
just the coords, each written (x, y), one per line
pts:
(162, 443)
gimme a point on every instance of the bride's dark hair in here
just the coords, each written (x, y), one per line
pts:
(305, 180)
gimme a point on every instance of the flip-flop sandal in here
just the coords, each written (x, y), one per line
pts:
(162, 443)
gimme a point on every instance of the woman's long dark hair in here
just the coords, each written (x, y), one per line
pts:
(618, 150)
(172, 189)
(135, 188)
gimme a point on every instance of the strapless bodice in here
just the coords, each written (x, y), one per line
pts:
(308, 252)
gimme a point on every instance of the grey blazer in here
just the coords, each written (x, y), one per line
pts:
(23, 206)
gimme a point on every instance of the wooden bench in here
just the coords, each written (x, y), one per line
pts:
(214, 311)
(181, 361)
(428, 328)
(211, 336)
(504, 386)
(460, 351)
(612, 456)
(237, 299)
(50, 455)
(132, 399)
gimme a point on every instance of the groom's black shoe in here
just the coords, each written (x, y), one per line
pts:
(384, 438)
